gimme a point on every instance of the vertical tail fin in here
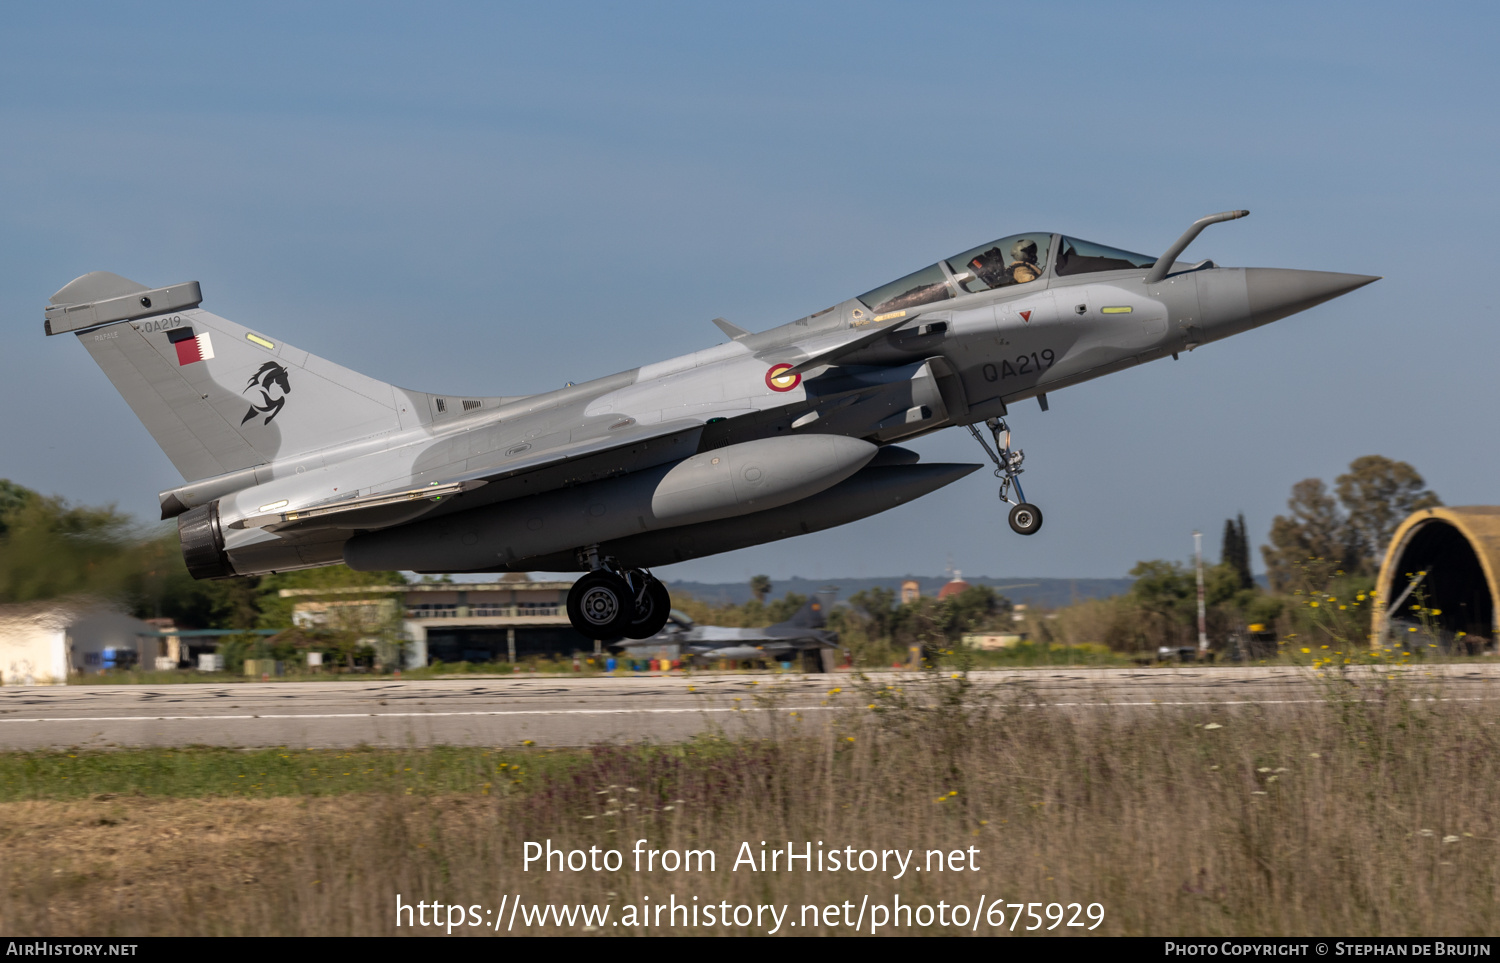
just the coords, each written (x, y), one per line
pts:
(814, 614)
(216, 396)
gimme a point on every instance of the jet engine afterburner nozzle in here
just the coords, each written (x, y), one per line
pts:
(203, 542)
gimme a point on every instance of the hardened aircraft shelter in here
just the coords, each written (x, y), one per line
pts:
(1445, 560)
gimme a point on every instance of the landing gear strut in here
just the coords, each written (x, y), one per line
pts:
(1025, 518)
(652, 605)
(611, 602)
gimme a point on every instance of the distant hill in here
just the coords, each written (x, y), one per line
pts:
(1047, 593)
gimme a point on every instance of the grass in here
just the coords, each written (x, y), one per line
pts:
(264, 773)
(1374, 810)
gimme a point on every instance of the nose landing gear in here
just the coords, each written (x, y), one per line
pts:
(1025, 518)
(610, 602)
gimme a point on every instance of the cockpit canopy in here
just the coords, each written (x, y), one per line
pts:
(1084, 257)
(1009, 261)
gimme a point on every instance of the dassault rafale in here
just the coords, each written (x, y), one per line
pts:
(293, 462)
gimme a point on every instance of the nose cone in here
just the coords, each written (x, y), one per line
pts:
(1276, 293)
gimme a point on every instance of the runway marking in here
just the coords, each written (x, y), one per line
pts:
(663, 711)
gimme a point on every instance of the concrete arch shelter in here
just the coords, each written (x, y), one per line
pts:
(1453, 555)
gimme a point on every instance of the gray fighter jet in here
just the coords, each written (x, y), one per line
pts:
(292, 461)
(800, 638)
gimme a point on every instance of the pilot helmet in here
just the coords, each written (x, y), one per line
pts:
(1024, 250)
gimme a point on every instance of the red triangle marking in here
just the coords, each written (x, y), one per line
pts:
(1025, 315)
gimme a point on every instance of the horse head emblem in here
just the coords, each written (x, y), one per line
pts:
(271, 377)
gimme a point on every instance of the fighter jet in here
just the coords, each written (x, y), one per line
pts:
(801, 637)
(292, 461)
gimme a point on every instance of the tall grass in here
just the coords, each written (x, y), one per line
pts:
(270, 773)
(1375, 811)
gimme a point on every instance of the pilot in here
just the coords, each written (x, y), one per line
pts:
(990, 267)
(1023, 257)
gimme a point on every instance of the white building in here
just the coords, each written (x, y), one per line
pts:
(514, 618)
(42, 643)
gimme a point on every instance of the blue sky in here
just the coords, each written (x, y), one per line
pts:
(498, 199)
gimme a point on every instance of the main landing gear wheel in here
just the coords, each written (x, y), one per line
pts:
(601, 606)
(652, 606)
(1025, 519)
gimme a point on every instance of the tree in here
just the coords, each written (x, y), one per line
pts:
(12, 499)
(159, 586)
(51, 548)
(976, 607)
(760, 587)
(1323, 538)
(878, 606)
(1378, 494)
(1236, 551)
(1307, 542)
(1167, 596)
(353, 625)
(275, 612)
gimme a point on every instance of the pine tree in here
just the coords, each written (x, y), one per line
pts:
(1229, 553)
(1242, 560)
(1236, 551)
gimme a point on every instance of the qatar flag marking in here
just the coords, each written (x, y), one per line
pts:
(191, 347)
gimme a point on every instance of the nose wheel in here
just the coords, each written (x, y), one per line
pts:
(1025, 518)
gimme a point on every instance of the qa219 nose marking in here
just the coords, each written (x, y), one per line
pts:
(1034, 363)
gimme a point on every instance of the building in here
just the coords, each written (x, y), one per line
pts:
(911, 590)
(992, 641)
(1447, 562)
(43, 643)
(505, 621)
(954, 586)
(171, 649)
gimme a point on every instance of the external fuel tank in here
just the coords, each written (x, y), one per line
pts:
(753, 476)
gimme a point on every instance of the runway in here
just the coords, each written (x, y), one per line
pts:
(570, 711)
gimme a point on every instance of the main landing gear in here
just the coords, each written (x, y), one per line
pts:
(1025, 518)
(611, 603)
